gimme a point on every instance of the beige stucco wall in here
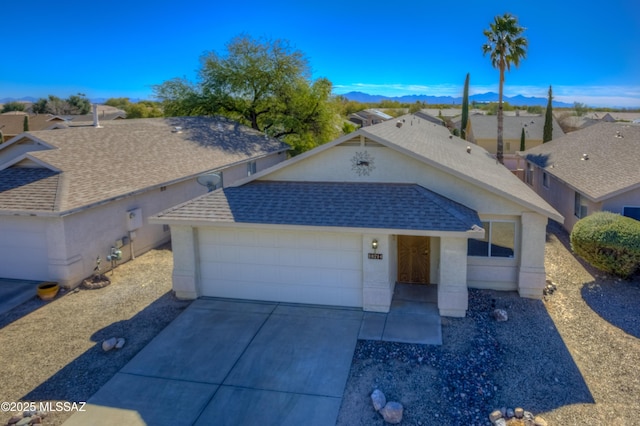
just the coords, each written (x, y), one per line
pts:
(628, 199)
(511, 146)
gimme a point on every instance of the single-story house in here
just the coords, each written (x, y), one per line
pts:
(401, 201)
(368, 117)
(485, 134)
(592, 169)
(70, 195)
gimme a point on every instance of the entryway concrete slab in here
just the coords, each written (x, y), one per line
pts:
(15, 292)
(413, 317)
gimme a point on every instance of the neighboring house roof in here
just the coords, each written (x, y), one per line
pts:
(612, 164)
(426, 116)
(124, 157)
(433, 145)
(370, 116)
(28, 189)
(486, 127)
(13, 124)
(352, 205)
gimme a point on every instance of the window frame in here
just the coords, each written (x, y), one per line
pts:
(579, 204)
(489, 238)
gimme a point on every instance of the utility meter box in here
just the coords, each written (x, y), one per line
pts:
(134, 219)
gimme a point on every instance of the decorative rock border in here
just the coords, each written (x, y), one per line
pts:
(508, 416)
(96, 282)
(27, 418)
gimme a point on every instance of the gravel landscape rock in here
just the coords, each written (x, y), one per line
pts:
(52, 351)
(570, 359)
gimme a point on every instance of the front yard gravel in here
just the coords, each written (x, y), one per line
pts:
(52, 351)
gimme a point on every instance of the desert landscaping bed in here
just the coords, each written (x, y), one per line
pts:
(572, 358)
(52, 351)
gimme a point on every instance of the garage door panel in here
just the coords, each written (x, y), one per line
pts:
(23, 248)
(301, 267)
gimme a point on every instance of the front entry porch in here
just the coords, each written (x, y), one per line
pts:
(412, 318)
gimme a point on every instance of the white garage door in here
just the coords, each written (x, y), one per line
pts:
(23, 248)
(286, 266)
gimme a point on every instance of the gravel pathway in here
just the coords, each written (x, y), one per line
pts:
(573, 358)
(52, 351)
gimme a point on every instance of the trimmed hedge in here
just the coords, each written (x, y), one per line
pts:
(609, 242)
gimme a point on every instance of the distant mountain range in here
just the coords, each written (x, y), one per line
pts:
(517, 100)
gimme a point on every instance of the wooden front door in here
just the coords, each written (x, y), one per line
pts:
(413, 259)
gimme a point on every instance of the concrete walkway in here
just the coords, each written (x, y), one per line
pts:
(230, 362)
(15, 292)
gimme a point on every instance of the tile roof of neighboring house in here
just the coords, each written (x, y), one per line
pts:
(613, 164)
(128, 156)
(331, 204)
(486, 127)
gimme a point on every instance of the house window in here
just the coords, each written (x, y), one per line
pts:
(632, 212)
(499, 240)
(165, 228)
(528, 176)
(251, 168)
(545, 180)
(580, 206)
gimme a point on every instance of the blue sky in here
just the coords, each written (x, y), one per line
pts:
(588, 51)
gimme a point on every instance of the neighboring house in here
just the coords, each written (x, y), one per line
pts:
(485, 133)
(69, 195)
(339, 225)
(426, 116)
(12, 123)
(592, 169)
(368, 117)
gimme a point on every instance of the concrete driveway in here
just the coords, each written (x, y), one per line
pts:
(235, 363)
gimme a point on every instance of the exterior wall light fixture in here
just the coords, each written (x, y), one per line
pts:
(374, 245)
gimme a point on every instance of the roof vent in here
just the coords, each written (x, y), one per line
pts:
(619, 135)
(398, 124)
(468, 149)
(176, 129)
(584, 157)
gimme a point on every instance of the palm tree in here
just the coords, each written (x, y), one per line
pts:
(507, 46)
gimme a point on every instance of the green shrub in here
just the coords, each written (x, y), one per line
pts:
(609, 242)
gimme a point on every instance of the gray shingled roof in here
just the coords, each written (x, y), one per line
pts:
(28, 189)
(613, 164)
(486, 127)
(328, 204)
(128, 156)
(434, 145)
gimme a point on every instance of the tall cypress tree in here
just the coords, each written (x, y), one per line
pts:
(25, 124)
(465, 109)
(547, 134)
(522, 144)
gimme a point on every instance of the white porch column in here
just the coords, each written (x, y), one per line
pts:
(453, 298)
(531, 274)
(377, 285)
(185, 265)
